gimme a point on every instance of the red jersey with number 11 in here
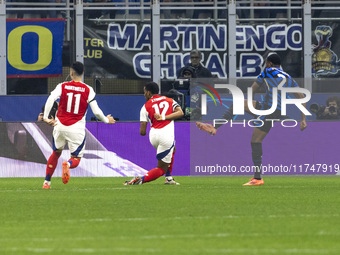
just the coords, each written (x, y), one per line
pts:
(74, 100)
(158, 104)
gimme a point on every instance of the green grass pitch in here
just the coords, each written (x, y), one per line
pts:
(288, 215)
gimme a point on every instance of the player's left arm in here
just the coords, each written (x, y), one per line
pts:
(258, 83)
(303, 123)
(178, 113)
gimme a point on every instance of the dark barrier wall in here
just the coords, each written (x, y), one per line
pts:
(27, 108)
(124, 107)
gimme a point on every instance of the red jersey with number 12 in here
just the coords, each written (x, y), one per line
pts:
(74, 99)
(158, 104)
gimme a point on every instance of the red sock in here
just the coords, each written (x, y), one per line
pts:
(153, 174)
(52, 164)
(172, 162)
(74, 162)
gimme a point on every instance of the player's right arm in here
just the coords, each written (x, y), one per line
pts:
(143, 117)
(255, 88)
(55, 94)
(142, 129)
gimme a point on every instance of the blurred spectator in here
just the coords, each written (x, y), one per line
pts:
(183, 13)
(201, 13)
(52, 114)
(330, 111)
(279, 12)
(31, 13)
(261, 13)
(55, 13)
(101, 14)
(166, 14)
(258, 13)
(19, 14)
(317, 3)
(125, 13)
(200, 71)
(243, 13)
(187, 72)
(223, 13)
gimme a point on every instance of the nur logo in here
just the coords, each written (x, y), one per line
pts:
(204, 97)
(239, 100)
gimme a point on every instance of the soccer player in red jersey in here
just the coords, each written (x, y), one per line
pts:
(160, 111)
(69, 124)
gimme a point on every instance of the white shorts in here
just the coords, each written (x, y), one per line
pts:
(164, 143)
(74, 138)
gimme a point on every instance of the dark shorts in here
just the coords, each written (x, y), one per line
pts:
(265, 122)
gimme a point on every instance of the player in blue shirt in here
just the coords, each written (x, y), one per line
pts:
(272, 77)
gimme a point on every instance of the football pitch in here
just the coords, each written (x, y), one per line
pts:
(287, 215)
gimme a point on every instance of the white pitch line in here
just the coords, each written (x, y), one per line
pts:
(231, 217)
(265, 251)
(125, 188)
(57, 190)
(178, 250)
(176, 236)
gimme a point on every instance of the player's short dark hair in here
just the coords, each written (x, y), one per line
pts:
(78, 67)
(275, 59)
(152, 87)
